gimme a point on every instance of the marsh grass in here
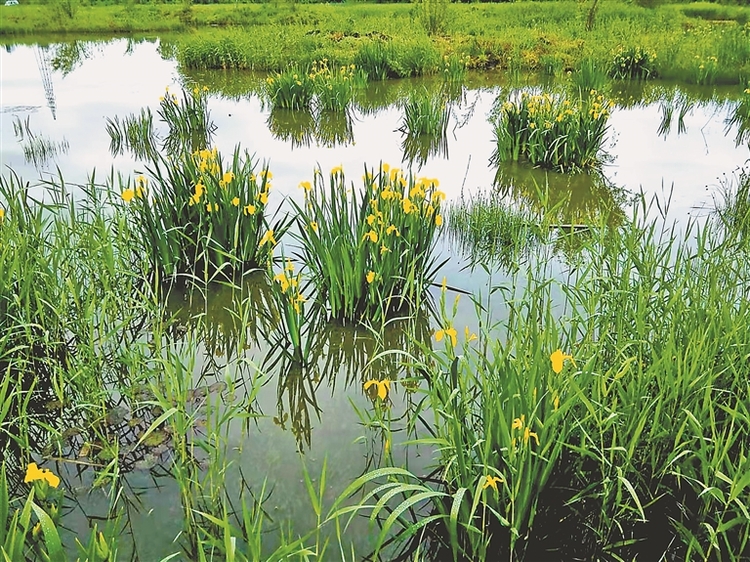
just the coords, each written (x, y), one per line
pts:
(627, 442)
(552, 131)
(291, 89)
(374, 58)
(454, 68)
(588, 76)
(369, 251)
(270, 37)
(425, 114)
(597, 412)
(195, 213)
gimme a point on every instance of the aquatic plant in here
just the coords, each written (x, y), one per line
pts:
(454, 68)
(374, 58)
(588, 76)
(425, 114)
(291, 89)
(201, 215)
(633, 63)
(487, 229)
(740, 118)
(552, 131)
(586, 420)
(424, 126)
(334, 88)
(369, 252)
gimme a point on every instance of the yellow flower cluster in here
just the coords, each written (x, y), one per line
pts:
(321, 71)
(140, 187)
(520, 424)
(208, 164)
(290, 286)
(543, 111)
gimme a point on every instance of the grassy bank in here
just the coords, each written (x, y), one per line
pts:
(699, 43)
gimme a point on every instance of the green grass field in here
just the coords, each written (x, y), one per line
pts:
(697, 42)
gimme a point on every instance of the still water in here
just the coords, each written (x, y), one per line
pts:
(67, 99)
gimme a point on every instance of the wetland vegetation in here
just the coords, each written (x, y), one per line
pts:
(588, 399)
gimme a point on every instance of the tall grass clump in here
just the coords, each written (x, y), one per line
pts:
(424, 126)
(633, 63)
(370, 251)
(425, 114)
(334, 88)
(291, 89)
(552, 132)
(433, 14)
(588, 76)
(374, 58)
(201, 215)
(488, 230)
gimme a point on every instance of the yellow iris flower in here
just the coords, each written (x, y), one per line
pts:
(450, 332)
(34, 473)
(383, 387)
(492, 482)
(558, 358)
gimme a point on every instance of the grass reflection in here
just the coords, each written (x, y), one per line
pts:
(566, 199)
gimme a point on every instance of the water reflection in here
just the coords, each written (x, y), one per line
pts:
(568, 199)
(226, 319)
(296, 127)
(345, 356)
(418, 149)
(335, 128)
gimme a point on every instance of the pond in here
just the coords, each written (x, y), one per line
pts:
(66, 93)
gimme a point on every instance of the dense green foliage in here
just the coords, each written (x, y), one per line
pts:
(389, 40)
